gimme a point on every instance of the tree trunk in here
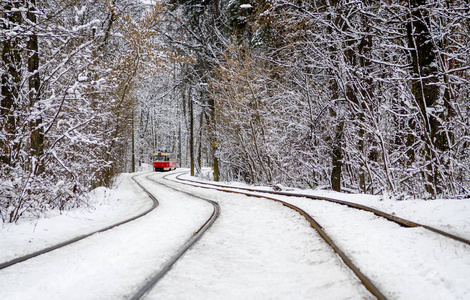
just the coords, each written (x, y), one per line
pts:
(37, 132)
(337, 158)
(215, 162)
(11, 80)
(133, 145)
(199, 153)
(424, 89)
(191, 132)
(212, 121)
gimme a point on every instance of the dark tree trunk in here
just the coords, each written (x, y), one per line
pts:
(424, 89)
(215, 161)
(191, 132)
(199, 153)
(11, 80)
(37, 132)
(337, 158)
(358, 90)
(133, 146)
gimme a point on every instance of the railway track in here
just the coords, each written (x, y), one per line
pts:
(152, 281)
(369, 284)
(400, 221)
(23, 258)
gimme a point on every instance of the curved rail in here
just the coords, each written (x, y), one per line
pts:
(150, 283)
(361, 276)
(81, 237)
(395, 219)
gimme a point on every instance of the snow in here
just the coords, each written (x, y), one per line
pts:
(450, 215)
(82, 78)
(246, 6)
(112, 264)
(257, 249)
(81, 11)
(105, 207)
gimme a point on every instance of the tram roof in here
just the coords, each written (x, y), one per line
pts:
(163, 153)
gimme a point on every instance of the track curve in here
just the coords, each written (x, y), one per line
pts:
(152, 281)
(400, 221)
(368, 284)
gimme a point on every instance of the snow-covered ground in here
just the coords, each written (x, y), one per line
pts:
(257, 249)
(450, 215)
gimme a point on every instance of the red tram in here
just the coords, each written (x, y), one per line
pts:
(164, 161)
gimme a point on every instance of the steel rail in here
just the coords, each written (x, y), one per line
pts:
(361, 276)
(81, 237)
(395, 219)
(152, 281)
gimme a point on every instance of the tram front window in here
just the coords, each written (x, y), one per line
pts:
(159, 158)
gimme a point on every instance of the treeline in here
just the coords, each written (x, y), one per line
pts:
(369, 96)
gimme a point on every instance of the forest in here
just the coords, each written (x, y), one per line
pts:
(349, 95)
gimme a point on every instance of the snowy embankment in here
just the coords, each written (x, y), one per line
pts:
(257, 249)
(105, 207)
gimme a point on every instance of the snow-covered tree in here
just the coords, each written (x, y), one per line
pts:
(69, 72)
